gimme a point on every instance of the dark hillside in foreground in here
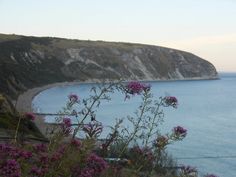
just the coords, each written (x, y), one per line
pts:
(8, 122)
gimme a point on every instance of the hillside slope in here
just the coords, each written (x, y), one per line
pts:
(27, 62)
(9, 118)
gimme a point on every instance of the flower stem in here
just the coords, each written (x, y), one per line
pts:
(17, 129)
(136, 128)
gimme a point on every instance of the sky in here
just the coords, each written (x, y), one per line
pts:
(206, 28)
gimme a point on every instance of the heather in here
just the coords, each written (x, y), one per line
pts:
(119, 154)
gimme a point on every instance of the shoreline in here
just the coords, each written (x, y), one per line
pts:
(24, 101)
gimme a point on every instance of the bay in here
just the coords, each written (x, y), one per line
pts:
(207, 108)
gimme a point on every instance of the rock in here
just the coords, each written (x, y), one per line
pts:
(27, 62)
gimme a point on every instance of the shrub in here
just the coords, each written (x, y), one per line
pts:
(137, 151)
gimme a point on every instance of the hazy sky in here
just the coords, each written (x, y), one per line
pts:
(206, 28)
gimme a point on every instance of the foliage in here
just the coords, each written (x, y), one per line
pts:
(136, 151)
(9, 118)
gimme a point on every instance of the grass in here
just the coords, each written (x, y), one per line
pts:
(5, 37)
(9, 119)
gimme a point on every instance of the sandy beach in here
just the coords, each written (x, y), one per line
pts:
(24, 101)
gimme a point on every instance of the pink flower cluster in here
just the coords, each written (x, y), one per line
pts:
(39, 161)
(10, 168)
(57, 155)
(93, 129)
(76, 142)
(9, 157)
(36, 171)
(171, 101)
(73, 98)
(86, 172)
(135, 87)
(29, 116)
(44, 159)
(179, 131)
(145, 152)
(67, 122)
(40, 147)
(140, 157)
(66, 126)
(161, 141)
(95, 164)
(7, 151)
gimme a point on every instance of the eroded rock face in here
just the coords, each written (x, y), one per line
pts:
(27, 62)
(139, 62)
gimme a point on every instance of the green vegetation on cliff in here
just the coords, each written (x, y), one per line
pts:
(8, 122)
(27, 62)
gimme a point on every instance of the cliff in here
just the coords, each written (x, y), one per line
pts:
(27, 62)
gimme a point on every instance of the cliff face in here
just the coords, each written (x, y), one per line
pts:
(27, 62)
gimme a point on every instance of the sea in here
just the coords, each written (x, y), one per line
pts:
(206, 108)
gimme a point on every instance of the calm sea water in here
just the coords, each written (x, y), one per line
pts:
(206, 108)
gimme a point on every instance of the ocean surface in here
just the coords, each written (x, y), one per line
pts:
(207, 108)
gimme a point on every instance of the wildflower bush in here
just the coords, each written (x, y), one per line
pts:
(137, 151)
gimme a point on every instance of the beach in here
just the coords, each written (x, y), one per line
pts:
(24, 102)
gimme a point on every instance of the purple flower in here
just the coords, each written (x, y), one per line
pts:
(73, 98)
(96, 163)
(76, 143)
(179, 131)
(40, 148)
(44, 159)
(62, 149)
(93, 129)
(86, 172)
(25, 154)
(36, 171)
(145, 152)
(171, 101)
(187, 170)
(135, 87)
(10, 168)
(67, 122)
(56, 156)
(146, 87)
(210, 175)
(29, 116)
(5, 147)
(161, 141)
(66, 126)
(7, 150)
